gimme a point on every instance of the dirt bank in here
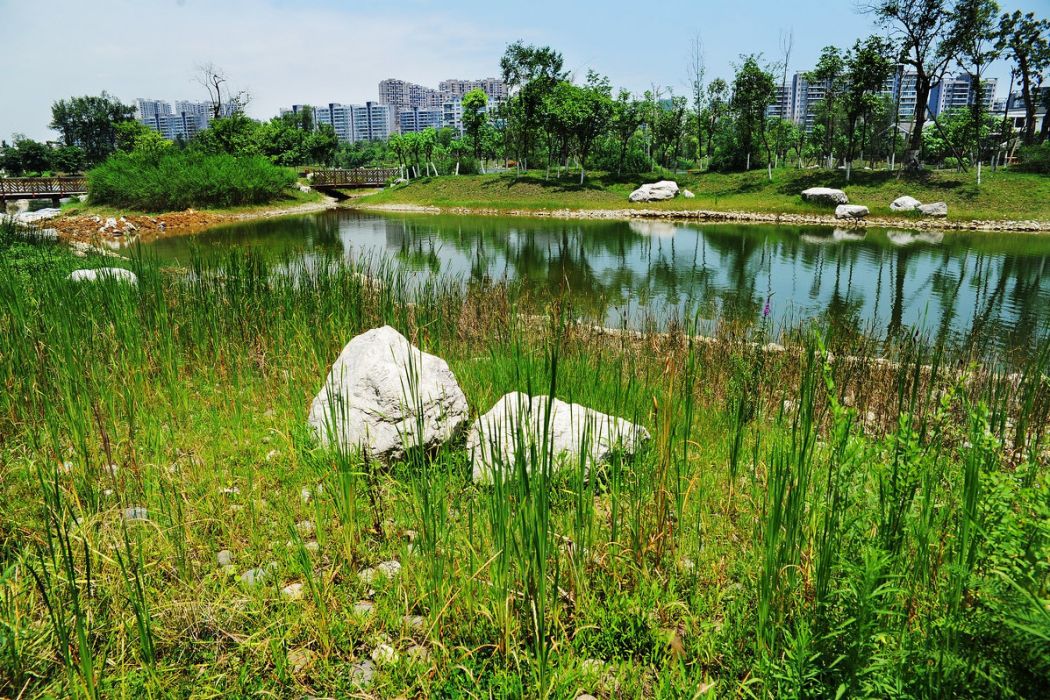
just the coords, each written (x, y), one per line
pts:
(87, 228)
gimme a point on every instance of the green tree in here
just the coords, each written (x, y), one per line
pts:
(919, 27)
(753, 91)
(90, 122)
(25, 156)
(427, 143)
(235, 135)
(1026, 40)
(868, 66)
(135, 137)
(475, 104)
(627, 116)
(530, 73)
(715, 111)
(973, 44)
(830, 72)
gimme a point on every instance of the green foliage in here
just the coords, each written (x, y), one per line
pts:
(180, 179)
(474, 117)
(90, 123)
(25, 157)
(1034, 159)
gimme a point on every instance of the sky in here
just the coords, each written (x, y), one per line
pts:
(287, 52)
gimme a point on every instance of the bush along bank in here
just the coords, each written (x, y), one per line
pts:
(794, 524)
(175, 179)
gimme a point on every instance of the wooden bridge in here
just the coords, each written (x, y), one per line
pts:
(41, 187)
(357, 177)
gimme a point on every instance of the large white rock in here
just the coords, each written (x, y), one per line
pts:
(104, 274)
(825, 195)
(375, 391)
(905, 203)
(31, 217)
(934, 209)
(516, 424)
(655, 191)
(850, 211)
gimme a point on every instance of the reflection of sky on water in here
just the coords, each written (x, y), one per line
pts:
(959, 286)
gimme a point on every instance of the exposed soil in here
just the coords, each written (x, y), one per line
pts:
(86, 228)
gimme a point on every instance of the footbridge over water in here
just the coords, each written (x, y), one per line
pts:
(355, 177)
(41, 187)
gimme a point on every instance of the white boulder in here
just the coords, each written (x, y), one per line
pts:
(516, 423)
(31, 217)
(905, 203)
(851, 211)
(104, 274)
(655, 191)
(688, 195)
(934, 209)
(825, 195)
(378, 385)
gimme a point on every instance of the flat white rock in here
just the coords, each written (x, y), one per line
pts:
(518, 420)
(825, 195)
(655, 191)
(104, 274)
(379, 382)
(905, 203)
(934, 209)
(850, 211)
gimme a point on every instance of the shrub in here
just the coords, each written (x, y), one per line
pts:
(175, 179)
(1035, 159)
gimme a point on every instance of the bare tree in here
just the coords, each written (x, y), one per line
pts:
(223, 100)
(697, 69)
(787, 41)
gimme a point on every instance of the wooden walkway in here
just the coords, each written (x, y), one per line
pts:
(41, 187)
(358, 177)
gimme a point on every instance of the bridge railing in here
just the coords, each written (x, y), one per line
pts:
(357, 177)
(42, 186)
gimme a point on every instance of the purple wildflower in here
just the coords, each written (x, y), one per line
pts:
(765, 309)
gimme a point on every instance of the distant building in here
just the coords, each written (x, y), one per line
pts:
(373, 121)
(184, 121)
(782, 104)
(413, 119)
(338, 116)
(494, 88)
(957, 92)
(148, 109)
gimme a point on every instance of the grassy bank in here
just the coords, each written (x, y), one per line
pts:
(799, 525)
(1002, 195)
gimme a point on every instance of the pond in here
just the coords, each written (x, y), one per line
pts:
(988, 290)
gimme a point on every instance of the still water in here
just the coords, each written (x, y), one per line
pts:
(984, 289)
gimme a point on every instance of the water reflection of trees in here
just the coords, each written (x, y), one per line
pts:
(975, 290)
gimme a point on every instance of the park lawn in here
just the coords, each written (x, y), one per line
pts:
(1002, 195)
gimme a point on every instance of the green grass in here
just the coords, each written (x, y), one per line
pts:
(883, 531)
(1002, 195)
(286, 200)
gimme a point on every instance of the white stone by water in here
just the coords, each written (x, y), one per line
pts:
(934, 209)
(905, 203)
(574, 430)
(825, 195)
(655, 191)
(104, 274)
(850, 211)
(370, 399)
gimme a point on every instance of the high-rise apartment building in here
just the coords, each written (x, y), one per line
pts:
(373, 121)
(338, 116)
(957, 92)
(184, 122)
(414, 119)
(494, 88)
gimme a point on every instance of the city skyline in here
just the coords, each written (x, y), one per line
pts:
(419, 42)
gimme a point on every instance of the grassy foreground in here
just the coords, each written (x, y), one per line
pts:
(1001, 195)
(799, 525)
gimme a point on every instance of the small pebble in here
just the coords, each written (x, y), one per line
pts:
(293, 591)
(136, 513)
(384, 654)
(224, 557)
(362, 673)
(305, 527)
(300, 659)
(390, 568)
(416, 623)
(231, 491)
(305, 495)
(363, 607)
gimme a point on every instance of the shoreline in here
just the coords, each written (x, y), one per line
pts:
(91, 228)
(714, 216)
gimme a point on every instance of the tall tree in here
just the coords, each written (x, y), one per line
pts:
(717, 104)
(224, 101)
(474, 105)
(753, 90)
(830, 71)
(973, 44)
(868, 66)
(529, 72)
(90, 122)
(697, 69)
(627, 116)
(1025, 40)
(919, 27)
